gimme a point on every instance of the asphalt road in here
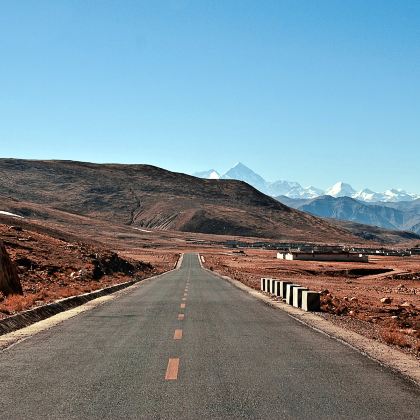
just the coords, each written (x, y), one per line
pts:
(234, 357)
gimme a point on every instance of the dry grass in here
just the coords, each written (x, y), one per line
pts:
(395, 338)
(18, 303)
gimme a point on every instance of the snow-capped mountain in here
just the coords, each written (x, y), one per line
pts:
(243, 173)
(290, 188)
(294, 190)
(368, 196)
(396, 195)
(297, 191)
(341, 189)
(283, 187)
(389, 196)
(308, 192)
(210, 174)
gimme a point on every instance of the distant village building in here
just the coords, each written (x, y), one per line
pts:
(415, 251)
(322, 256)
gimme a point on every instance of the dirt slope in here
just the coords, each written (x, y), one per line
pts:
(52, 265)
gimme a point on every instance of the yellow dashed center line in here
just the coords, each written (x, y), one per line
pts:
(172, 369)
(173, 363)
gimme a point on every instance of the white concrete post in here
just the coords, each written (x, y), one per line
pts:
(311, 301)
(289, 293)
(276, 288)
(297, 296)
(267, 285)
(273, 286)
(283, 285)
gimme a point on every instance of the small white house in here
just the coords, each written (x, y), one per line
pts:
(323, 256)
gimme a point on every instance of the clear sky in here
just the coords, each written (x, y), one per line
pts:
(312, 91)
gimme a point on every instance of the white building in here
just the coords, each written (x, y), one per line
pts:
(323, 256)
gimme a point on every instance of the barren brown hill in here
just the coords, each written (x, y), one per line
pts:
(149, 197)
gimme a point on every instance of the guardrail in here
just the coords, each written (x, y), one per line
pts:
(293, 294)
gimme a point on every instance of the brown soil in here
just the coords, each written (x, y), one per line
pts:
(351, 294)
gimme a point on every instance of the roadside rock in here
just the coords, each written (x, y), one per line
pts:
(386, 300)
(79, 275)
(409, 331)
(16, 228)
(9, 279)
(112, 263)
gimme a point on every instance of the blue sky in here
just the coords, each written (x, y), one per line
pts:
(313, 91)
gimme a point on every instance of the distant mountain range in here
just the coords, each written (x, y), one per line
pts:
(404, 215)
(293, 189)
(243, 173)
(393, 209)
